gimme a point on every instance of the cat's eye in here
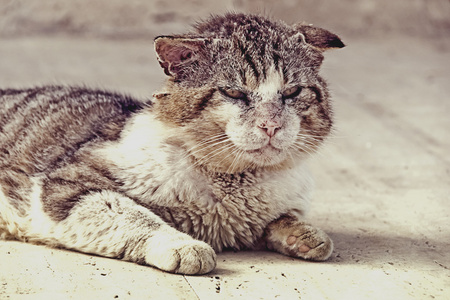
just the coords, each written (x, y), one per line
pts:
(292, 92)
(235, 94)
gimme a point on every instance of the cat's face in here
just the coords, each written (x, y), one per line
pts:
(245, 92)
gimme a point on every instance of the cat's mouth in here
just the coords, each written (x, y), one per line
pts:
(267, 155)
(268, 149)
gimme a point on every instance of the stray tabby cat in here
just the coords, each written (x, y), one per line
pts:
(215, 160)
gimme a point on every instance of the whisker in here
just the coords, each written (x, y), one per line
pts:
(305, 143)
(208, 141)
(196, 148)
(213, 154)
(305, 148)
(318, 149)
(239, 157)
(312, 136)
(229, 154)
(209, 146)
(308, 138)
(309, 142)
(235, 161)
(331, 135)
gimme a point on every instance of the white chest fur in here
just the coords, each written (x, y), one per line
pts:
(222, 209)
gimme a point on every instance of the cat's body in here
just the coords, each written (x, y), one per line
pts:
(217, 156)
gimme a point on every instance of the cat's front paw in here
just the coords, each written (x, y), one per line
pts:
(308, 242)
(291, 237)
(183, 256)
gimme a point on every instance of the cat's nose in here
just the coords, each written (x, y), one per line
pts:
(270, 127)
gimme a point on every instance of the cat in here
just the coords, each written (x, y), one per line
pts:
(215, 160)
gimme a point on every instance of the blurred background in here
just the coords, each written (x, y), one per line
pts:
(147, 18)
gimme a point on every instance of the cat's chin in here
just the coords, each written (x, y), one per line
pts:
(266, 156)
(267, 150)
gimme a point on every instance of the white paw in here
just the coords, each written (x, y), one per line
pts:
(183, 256)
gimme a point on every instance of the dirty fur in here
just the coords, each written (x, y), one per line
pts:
(215, 160)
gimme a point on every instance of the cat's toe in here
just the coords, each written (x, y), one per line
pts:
(196, 258)
(184, 257)
(309, 243)
(289, 236)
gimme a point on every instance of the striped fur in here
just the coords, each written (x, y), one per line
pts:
(214, 161)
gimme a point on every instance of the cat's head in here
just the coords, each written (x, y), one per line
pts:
(245, 91)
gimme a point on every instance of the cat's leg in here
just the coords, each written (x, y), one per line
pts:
(109, 224)
(292, 237)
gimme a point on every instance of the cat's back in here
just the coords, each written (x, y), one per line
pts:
(39, 126)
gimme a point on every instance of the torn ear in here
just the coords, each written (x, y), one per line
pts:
(320, 38)
(175, 52)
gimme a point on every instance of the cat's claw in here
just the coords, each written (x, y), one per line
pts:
(188, 257)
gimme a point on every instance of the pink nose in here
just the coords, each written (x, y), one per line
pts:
(270, 127)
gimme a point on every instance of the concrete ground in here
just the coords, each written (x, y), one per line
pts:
(383, 181)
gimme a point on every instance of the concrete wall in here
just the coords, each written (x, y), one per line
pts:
(147, 18)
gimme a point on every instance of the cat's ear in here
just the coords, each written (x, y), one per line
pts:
(174, 52)
(319, 38)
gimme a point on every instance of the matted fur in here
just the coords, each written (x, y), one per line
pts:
(215, 160)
